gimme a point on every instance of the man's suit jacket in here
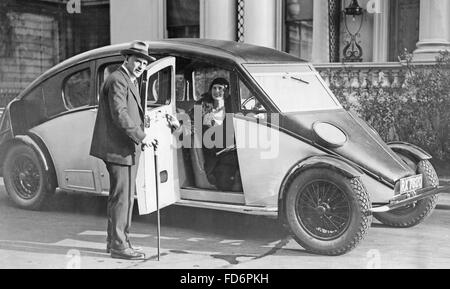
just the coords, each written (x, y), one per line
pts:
(119, 127)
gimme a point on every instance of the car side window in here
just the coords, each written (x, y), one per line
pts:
(159, 88)
(76, 89)
(180, 86)
(103, 73)
(107, 70)
(248, 101)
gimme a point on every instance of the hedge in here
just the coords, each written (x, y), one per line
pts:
(418, 112)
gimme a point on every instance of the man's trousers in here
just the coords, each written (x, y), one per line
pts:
(122, 181)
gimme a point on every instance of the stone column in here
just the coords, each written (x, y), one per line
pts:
(320, 49)
(218, 19)
(259, 22)
(434, 30)
(381, 31)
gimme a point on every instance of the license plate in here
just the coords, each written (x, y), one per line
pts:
(410, 184)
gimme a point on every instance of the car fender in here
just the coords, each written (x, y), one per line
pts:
(322, 161)
(38, 145)
(410, 150)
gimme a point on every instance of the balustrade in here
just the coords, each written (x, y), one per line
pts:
(363, 75)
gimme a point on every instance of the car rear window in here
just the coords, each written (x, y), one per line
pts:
(76, 89)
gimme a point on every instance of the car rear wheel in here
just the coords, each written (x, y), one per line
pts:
(327, 212)
(417, 212)
(27, 182)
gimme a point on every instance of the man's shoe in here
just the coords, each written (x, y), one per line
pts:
(135, 248)
(127, 254)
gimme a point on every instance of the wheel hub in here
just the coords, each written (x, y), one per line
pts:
(26, 177)
(323, 209)
(22, 176)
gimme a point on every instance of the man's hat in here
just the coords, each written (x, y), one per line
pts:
(138, 48)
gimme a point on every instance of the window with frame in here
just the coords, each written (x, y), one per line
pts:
(404, 27)
(182, 85)
(298, 27)
(159, 88)
(183, 18)
(77, 89)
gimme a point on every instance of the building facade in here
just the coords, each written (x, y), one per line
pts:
(316, 30)
(368, 35)
(36, 35)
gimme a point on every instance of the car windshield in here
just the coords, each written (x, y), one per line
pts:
(293, 88)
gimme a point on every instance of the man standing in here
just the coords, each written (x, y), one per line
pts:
(118, 139)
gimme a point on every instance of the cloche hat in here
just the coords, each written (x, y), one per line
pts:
(221, 81)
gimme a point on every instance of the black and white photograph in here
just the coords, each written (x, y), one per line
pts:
(240, 135)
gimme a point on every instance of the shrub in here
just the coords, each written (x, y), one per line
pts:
(418, 112)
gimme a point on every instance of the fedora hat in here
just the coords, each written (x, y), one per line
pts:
(138, 48)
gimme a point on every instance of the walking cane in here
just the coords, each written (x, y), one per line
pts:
(155, 150)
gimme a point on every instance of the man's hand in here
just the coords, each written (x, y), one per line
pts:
(149, 140)
(173, 122)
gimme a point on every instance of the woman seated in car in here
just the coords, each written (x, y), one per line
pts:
(220, 162)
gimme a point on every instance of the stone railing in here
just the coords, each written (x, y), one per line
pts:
(362, 75)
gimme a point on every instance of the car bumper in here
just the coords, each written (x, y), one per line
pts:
(409, 198)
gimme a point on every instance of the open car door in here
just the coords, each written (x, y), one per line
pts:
(159, 92)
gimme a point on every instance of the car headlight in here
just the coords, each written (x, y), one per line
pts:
(329, 134)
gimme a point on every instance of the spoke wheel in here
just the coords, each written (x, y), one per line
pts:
(323, 210)
(26, 177)
(326, 212)
(27, 182)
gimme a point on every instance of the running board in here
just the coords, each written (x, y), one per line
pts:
(258, 211)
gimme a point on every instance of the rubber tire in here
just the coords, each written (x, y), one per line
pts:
(423, 208)
(46, 186)
(360, 216)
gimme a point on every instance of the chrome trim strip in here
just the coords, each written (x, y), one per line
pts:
(258, 211)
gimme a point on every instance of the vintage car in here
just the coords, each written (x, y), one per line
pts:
(301, 157)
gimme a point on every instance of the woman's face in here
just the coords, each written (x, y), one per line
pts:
(217, 91)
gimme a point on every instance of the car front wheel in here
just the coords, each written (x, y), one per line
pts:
(327, 212)
(417, 212)
(27, 182)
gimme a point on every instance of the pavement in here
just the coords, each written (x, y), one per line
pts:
(72, 236)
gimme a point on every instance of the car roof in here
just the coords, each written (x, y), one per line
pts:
(220, 50)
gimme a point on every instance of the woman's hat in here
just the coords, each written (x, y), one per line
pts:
(138, 48)
(221, 81)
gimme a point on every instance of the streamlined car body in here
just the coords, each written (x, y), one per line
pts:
(301, 157)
